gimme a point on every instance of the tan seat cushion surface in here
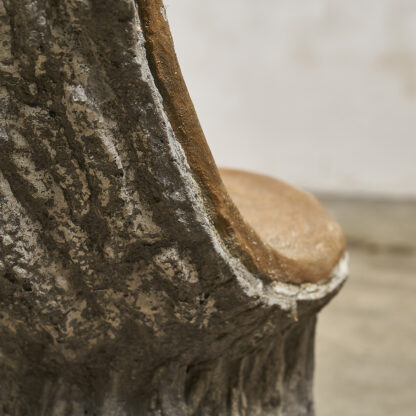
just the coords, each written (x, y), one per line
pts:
(290, 221)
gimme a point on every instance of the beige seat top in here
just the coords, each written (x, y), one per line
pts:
(290, 221)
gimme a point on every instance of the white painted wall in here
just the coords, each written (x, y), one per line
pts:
(320, 93)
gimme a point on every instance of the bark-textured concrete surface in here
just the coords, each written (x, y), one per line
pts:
(368, 334)
(129, 283)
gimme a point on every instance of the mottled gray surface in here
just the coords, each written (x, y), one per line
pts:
(118, 297)
(368, 333)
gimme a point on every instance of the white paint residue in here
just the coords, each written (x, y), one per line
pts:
(163, 13)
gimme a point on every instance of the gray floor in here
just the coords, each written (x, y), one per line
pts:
(366, 341)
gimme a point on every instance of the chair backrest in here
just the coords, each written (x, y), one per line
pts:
(318, 239)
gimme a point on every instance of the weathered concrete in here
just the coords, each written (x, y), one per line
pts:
(130, 284)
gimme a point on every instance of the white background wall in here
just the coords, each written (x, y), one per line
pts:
(320, 93)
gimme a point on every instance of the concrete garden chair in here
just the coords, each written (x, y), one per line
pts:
(135, 278)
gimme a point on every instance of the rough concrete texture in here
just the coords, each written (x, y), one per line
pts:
(368, 334)
(119, 293)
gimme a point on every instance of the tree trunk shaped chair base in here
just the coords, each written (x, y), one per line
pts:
(132, 282)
